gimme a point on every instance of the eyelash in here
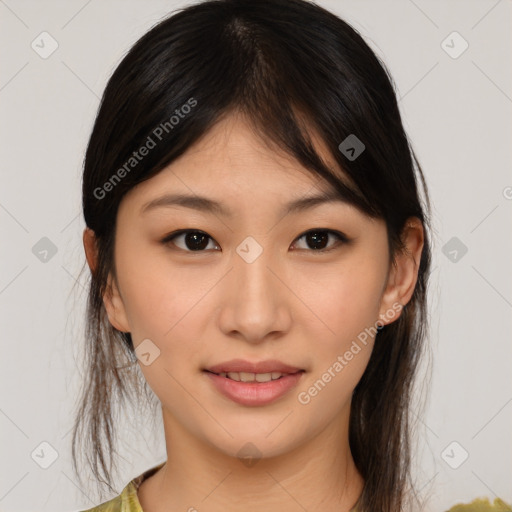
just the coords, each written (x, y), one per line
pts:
(342, 239)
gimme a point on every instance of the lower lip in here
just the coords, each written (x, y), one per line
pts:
(254, 393)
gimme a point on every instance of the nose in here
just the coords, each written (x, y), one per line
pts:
(255, 302)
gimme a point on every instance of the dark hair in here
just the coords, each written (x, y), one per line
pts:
(292, 69)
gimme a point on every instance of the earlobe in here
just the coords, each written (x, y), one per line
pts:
(403, 274)
(111, 298)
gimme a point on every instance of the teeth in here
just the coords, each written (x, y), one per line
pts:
(252, 377)
(263, 377)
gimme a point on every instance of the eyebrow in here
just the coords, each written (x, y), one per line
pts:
(212, 206)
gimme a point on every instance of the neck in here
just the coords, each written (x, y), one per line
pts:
(319, 475)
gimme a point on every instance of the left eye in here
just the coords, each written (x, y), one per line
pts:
(318, 239)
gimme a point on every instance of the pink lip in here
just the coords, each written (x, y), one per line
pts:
(239, 365)
(254, 393)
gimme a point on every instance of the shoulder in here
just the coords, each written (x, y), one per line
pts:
(482, 505)
(127, 501)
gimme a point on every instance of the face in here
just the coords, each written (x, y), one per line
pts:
(199, 287)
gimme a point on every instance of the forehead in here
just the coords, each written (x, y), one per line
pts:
(232, 163)
(232, 149)
(232, 146)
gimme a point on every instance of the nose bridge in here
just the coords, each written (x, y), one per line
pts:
(255, 305)
(253, 277)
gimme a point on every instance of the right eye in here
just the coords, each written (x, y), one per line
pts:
(191, 240)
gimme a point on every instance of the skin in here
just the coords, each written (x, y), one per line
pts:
(293, 303)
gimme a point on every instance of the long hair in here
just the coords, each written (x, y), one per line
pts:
(293, 69)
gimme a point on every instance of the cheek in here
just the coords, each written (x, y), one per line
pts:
(163, 305)
(346, 306)
(166, 302)
(343, 300)
(155, 295)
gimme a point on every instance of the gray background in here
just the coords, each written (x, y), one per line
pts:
(457, 113)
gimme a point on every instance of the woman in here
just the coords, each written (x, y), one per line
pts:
(259, 249)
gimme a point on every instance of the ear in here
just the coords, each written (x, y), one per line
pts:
(111, 298)
(403, 272)
(91, 250)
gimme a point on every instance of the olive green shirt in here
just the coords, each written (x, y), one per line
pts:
(128, 500)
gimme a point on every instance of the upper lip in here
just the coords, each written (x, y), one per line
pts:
(240, 365)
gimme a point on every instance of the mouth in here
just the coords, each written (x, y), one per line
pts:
(253, 377)
(254, 384)
(241, 366)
